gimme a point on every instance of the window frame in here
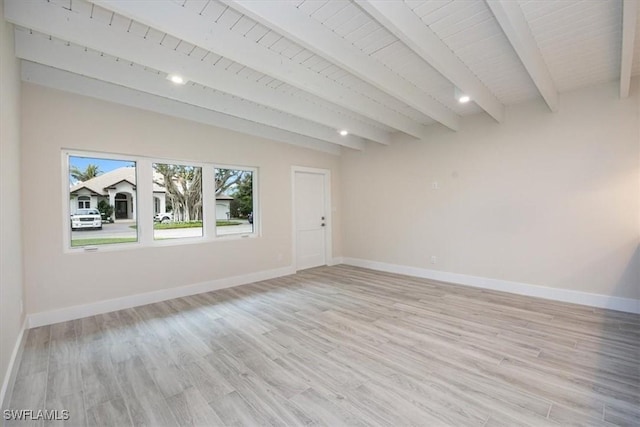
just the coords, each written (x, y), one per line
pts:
(256, 206)
(178, 240)
(85, 199)
(145, 202)
(66, 212)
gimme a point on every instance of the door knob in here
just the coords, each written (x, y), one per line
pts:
(322, 224)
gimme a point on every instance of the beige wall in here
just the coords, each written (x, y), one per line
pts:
(11, 316)
(53, 120)
(544, 198)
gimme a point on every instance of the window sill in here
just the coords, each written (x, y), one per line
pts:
(160, 243)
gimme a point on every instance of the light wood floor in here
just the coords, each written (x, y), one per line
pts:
(339, 346)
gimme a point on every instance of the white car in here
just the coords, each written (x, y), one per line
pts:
(86, 218)
(163, 217)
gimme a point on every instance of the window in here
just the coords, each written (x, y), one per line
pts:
(102, 201)
(182, 202)
(235, 209)
(84, 202)
(179, 189)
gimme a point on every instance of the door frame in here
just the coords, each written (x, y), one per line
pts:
(117, 202)
(326, 173)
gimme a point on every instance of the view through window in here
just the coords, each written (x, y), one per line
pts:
(235, 213)
(102, 201)
(104, 204)
(177, 201)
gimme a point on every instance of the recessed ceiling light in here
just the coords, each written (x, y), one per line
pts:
(175, 78)
(344, 132)
(462, 97)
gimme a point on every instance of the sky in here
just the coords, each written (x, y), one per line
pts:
(104, 165)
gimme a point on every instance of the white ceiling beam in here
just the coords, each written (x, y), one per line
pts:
(73, 58)
(184, 24)
(629, 22)
(81, 85)
(59, 22)
(402, 22)
(284, 18)
(516, 28)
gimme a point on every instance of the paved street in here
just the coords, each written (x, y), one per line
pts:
(245, 227)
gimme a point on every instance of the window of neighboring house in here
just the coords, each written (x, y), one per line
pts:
(236, 211)
(181, 188)
(110, 186)
(84, 202)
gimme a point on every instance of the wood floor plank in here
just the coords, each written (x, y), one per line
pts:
(28, 394)
(207, 380)
(143, 398)
(74, 403)
(257, 392)
(326, 411)
(606, 389)
(191, 409)
(338, 346)
(431, 399)
(496, 397)
(548, 387)
(388, 406)
(35, 357)
(63, 353)
(273, 374)
(64, 381)
(623, 415)
(109, 413)
(233, 410)
(570, 417)
(99, 381)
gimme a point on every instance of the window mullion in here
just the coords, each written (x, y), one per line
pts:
(145, 201)
(209, 201)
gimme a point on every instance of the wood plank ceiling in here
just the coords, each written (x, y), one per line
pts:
(299, 71)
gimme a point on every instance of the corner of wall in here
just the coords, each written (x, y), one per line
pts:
(9, 378)
(12, 316)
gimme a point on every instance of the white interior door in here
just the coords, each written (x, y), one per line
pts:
(310, 219)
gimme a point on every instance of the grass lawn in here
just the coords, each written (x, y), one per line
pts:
(102, 241)
(220, 223)
(191, 224)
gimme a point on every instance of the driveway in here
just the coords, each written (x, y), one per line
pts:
(117, 229)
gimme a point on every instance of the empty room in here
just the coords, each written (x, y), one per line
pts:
(320, 212)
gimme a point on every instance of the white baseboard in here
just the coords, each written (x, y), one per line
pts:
(80, 311)
(628, 305)
(335, 261)
(9, 375)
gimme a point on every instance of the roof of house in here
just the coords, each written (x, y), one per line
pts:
(101, 183)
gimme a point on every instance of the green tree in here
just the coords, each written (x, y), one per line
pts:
(226, 179)
(183, 186)
(90, 172)
(242, 203)
(105, 209)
